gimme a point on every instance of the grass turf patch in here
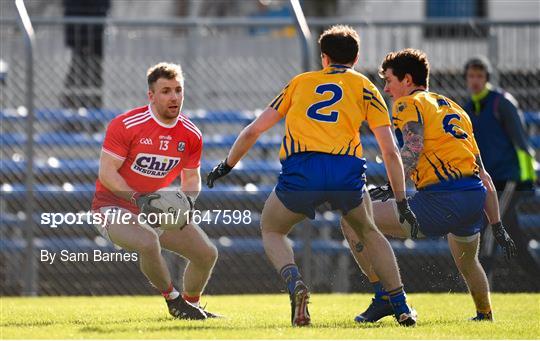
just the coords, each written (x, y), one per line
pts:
(441, 316)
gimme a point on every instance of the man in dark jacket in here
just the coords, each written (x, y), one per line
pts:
(504, 147)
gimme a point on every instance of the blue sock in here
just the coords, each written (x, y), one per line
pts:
(399, 301)
(290, 275)
(484, 316)
(380, 293)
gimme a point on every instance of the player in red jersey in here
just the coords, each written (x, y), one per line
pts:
(145, 149)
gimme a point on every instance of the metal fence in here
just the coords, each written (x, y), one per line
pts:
(89, 70)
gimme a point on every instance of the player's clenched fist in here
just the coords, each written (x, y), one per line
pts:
(220, 170)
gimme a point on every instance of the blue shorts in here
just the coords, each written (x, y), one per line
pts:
(456, 207)
(310, 179)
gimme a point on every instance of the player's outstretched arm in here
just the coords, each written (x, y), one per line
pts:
(492, 203)
(249, 135)
(491, 208)
(247, 138)
(394, 169)
(392, 160)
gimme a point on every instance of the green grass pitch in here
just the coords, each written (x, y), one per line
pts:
(441, 316)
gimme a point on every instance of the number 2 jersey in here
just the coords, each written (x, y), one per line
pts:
(324, 110)
(450, 149)
(152, 153)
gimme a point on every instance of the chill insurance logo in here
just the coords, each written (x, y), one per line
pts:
(155, 166)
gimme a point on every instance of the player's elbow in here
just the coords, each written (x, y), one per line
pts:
(104, 177)
(390, 153)
(486, 180)
(253, 131)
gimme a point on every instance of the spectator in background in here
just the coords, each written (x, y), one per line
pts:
(504, 147)
(84, 78)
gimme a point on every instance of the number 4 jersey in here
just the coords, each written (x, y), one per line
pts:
(324, 111)
(152, 153)
(450, 149)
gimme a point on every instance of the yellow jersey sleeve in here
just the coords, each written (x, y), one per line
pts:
(282, 102)
(405, 110)
(375, 107)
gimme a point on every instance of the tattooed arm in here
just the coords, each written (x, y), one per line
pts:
(492, 203)
(413, 144)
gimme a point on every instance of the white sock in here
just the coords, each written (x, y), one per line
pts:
(172, 295)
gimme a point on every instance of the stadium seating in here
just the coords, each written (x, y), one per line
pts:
(71, 170)
(66, 183)
(103, 116)
(61, 175)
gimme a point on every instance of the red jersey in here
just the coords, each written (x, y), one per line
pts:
(152, 152)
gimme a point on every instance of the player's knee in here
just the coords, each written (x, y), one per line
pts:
(467, 270)
(266, 225)
(468, 265)
(267, 231)
(149, 244)
(212, 254)
(361, 227)
(345, 228)
(264, 232)
(208, 257)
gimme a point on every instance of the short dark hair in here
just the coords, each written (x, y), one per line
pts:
(480, 63)
(407, 61)
(341, 43)
(164, 70)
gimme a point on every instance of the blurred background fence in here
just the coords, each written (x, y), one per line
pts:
(87, 70)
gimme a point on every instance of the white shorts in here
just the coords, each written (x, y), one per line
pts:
(110, 216)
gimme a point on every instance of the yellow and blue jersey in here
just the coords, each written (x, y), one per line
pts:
(324, 110)
(450, 149)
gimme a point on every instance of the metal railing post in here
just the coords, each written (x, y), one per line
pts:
(30, 266)
(304, 34)
(493, 53)
(305, 41)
